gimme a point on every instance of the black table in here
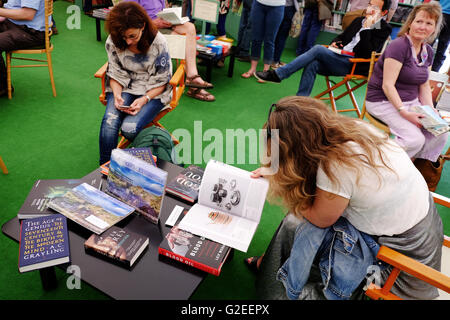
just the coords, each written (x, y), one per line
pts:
(152, 276)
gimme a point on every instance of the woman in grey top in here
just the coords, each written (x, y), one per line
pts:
(139, 70)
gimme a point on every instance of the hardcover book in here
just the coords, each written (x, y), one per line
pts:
(192, 250)
(431, 120)
(141, 153)
(187, 183)
(137, 183)
(122, 246)
(44, 242)
(229, 206)
(91, 208)
(43, 191)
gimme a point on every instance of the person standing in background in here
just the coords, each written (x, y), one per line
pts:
(283, 32)
(444, 37)
(245, 32)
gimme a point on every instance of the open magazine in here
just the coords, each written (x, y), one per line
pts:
(431, 120)
(229, 206)
(172, 15)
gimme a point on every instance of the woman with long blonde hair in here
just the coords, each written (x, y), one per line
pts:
(334, 170)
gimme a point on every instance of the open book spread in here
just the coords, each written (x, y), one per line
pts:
(172, 15)
(229, 206)
(431, 120)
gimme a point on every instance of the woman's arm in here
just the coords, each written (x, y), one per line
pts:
(116, 88)
(326, 209)
(391, 70)
(425, 96)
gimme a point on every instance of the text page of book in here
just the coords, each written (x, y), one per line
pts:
(233, 191)
(219, 226)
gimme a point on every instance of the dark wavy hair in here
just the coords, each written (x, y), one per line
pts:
(130, 15)
(310, 134)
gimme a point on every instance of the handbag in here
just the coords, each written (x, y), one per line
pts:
(296, 24)
(430, 172)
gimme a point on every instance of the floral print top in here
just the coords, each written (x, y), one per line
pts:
(138, 73)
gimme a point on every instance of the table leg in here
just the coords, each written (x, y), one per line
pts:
(231, 65)
(97, 29)
(48, 278)
(209, 66)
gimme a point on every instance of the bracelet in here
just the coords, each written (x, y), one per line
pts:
(148, 98)
(401, 108)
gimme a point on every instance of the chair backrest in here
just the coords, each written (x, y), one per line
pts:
(177, 46)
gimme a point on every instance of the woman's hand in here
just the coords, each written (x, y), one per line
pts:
(413, 117)
(118, 101)
(257, 173)
(136, 106)
(161, 24)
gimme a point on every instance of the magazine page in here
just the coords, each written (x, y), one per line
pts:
(232, 190)
(219, 226)
(431, 120)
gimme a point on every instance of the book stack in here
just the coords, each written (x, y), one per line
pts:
(101, 13)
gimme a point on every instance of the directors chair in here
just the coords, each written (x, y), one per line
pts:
(176, 46)
(46, 49)
(402, 263)
(3, 166)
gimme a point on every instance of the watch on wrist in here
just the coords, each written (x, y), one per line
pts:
(147, 97)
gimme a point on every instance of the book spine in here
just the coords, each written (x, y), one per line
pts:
(106, 256)
(195, 264)
(179, 194)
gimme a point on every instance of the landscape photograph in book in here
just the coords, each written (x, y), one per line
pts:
(132, 181)
(91, 208)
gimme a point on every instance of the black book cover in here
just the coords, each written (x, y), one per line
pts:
(118, 245)
(192, 250)
(186, 184)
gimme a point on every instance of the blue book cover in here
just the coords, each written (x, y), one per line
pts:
(137, 183)
(44, 242)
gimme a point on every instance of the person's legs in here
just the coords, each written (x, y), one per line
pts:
(306, 23)
(258, 14)
(283, 33)
(221, 25)
(274, 17)
(314, 29)
(444, 39)
(245, 30)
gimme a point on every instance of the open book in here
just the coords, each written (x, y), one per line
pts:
(431, 120)
(229, 206)
(172, 15)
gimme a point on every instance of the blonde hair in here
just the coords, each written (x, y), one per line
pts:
(433, 9)
(311, 135)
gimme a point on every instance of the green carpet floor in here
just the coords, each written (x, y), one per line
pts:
(43, 137)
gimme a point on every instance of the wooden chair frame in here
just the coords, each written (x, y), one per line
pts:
(178, 86)
(48, 48)
(402, 263)
(3, 166)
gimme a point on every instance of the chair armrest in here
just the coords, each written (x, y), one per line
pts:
(101, 74)
(177, 83)
(102, 71)
(415, 268)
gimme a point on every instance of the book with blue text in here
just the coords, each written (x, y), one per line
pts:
(44, 242)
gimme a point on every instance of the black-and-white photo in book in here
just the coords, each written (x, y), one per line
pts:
(172, 15)
(229, 208)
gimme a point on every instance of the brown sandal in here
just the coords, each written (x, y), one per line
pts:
(197, 94)
(190, 83)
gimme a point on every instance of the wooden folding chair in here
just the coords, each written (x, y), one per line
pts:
(3, 166)
(176, 45)
(402, 263)
(46, 49)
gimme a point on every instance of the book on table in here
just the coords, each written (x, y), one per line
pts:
(91, 208)
(431, 120)
(190, 249)
(43, 191)
(117, 245)
(187, 183)
(141, 153)
(229, 207)
(43, 242)
(172, 15)
(137, 183)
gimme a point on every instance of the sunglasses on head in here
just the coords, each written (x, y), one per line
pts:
(272, 107)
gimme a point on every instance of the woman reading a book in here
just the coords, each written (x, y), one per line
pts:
(348, 189)
(139, 70)
(400, 82)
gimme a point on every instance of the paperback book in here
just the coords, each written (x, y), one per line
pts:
(137, 183)
(44, 242)
(118, 245)
(431, 120)
(141, 153)
(91, 208)
(172, 15)
(43, 191)
(229, 207)
(192, 250)
(186, 184)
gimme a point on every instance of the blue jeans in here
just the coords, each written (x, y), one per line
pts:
(220, 27)
(115, 120)
(317, 60)
(265, 23)
(245, 29)
(283, 32)
(310, 30)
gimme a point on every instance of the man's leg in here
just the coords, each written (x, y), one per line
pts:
(274, 18)
(444, 38)
(245, 33)
(306, 23)
(283, 33)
